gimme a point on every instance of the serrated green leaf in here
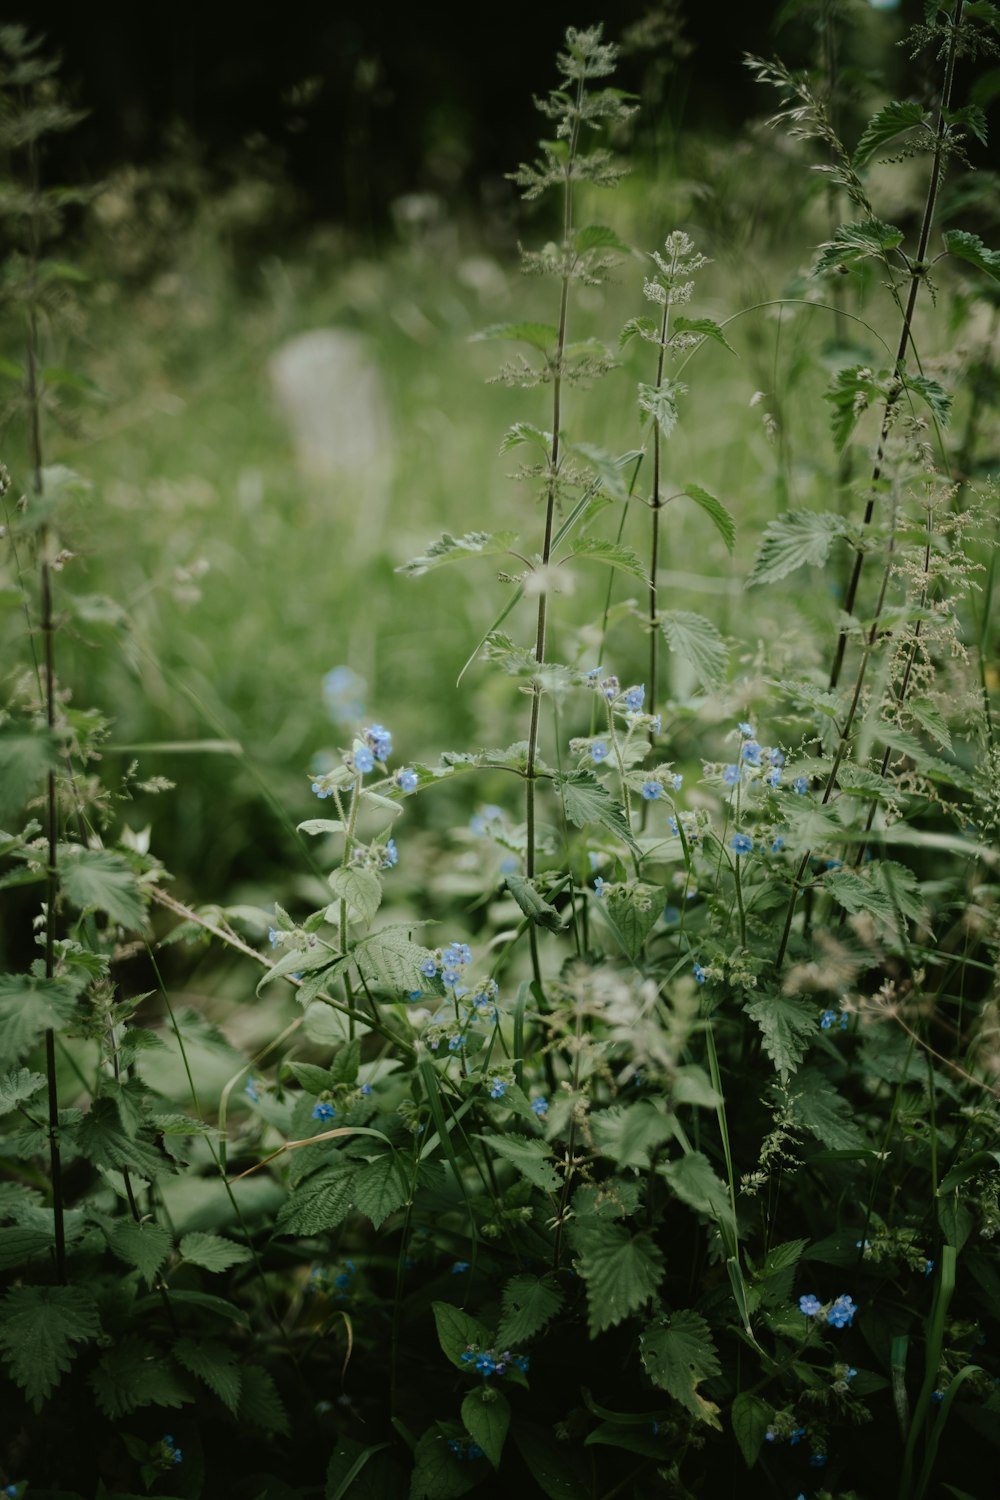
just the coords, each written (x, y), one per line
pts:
(751, 1418)
(930, 717)
(134, 1373)
(541, 336)
(933, 392)
(214, 1364)
(29, 1007)
(17, 1087)
(145, 1246)
(660, 402)
(599, 237)
(39, 1328)
(641, 326)
(456, 1331)
(787, 1027)
(528, 1303)
(633, 911)
(379, 1190)
(389, 958)
(622, 1272)
(792, 541)
(534, 906)
(448, 549)
(854, 242)
(693, 1179)
(815, 1104)
(696, 641)
(628, 1133)
(212, 1251)
(525, 432)
(851, 392)
(26, 758)
(970, 248)
(486, 1415)
(890, 121)
(321, 1202)
(361, 889)
(716, 512)
(102, 1139)
(20, 1243)
(707, 327)
(529, 1156)
(613, 554)
(678, 1354)
(437, 1473)
(260, 1404)
(100, 880)
(587, 801)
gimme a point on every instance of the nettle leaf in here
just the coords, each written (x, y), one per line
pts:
(449, 549)
(17, 1088)
(787, 1027)
(133, 1373)
(647, 327)
(854, 242)
(599, 237)
(30, 1006)
(707, 327)
(321, 1202)
(678, 1354)
(751, 1418)
(486, 1415)
(541, 336)
(716, 512)
(534, 906)
(792, 541)
(390, 959)
(212, 1251)
(39, 1326)
(660, 402)
(816, 1105)
(629, 1133)
(608, 467)
(102, 1139)
(970, 248)
(456, 1331)
(633, 911)
(698, 642)
(526, 432)
(890, 121)
(851, 392)
(528, 1303)
(361, 889)
(933, 392)
(214, 1364)
(622, 1272)
(379, 1189)
(145, 1246)
(100, 880)
(613, 554)
(693, 1179)
(530, 1157)
(587, 800)
(437, 1473)
(930, 717)
(26, 758)
(260, 1404)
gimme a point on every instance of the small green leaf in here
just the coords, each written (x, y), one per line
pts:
(379, 1189)
(622, 1271)
(486, 1414)
(456, 1331)
(145, 1246)
(890, 121)
(541, 336)
(696, 641)
(751, 1418)
(787, 1027)
(933, 392)
(39, 1327)
(29, 1007)
(449, 549)
(854, 242)
(528, 1303)
(716, 512)
(534, 906)
(17, 1088)
(599, 237)
(815, 1104)
(133, 1373)
(678, 1354)
(707, 327)
(321, 1202)
(660, 402)
(100, 880)
(587, 800)
(613, 554)
(633, 911)
(792, 541)
(361, 889)
(529, 1156)
(970, 248)
(525, 432)
(216, 1365)
(212, 1251)
(695, 1182)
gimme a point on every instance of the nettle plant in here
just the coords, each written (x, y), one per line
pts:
(667, 1167)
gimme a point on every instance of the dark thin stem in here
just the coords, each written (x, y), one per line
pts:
(656, 504)
(917, 268)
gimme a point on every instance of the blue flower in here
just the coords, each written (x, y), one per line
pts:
(796, 1435)
(827, 1019)
(540, 1107)
(407, 780)
(497, 1088)
(250, 1089)
(776, 758)
(677, 781)
(364, 760)
(699, 974)
(731, 775)
(634, 699)
(750, 752)
(745, 729)
(609, 687)
(391, 855)
(599, 885)
(593, 674)
(778, 845)
(599, 751)
(741, 843)
(380, 740)
(429, 968)
(817, 1460)
(323, 1110)
(474, 1451)
(773, 778)
(657, 724)
(459, 1267)
(928, 1266)
(365, 1089)
(456, 954)
(595, 859)
(651, 790)
(841, 1314)
(800, 786)
(320, 791)
(273, 936)
(809, 1305)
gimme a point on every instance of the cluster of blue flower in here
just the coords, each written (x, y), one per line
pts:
(839, 1313)
(336, 1284)
(464, 1450)
(170, 1450)
(487, 1362)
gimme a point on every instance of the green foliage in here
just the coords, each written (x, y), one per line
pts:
(40, 1328)
(678, 1354)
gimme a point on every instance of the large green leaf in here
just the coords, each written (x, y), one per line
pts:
(27, 755)
(613, 555)
(629, 1133)
(437, 1472)
(633, 911)
(970, 248)
(486, 1414)
(448, 549)
(622, 1272)
(695, 1182)
(540, 335)
(793, 540)
(457, 1331)
(145, 1246)
(30, 1006)
(854, 242)
(102, 1139)
(717, 513)
(787, 1026)
(361, 889)
(678, 1354)
(587, 801)
(815, 1104)
(100, 880)
(260, 1404)
(17, 1087)
(39, 1329)
(532, 1158)
(134, 1373)
(528, 1303)
(212, 1251)
(696, 641)
(379, 1189)
(321, 1202)
(892, 120)
(750, 1417)
(215, 1364)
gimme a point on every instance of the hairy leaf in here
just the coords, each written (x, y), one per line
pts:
(212, 1251)
(486, 1415)
(933, 392)
(100, 880)
(321, 1202)
(378, 1189)
(851, 392)
(145, 1246)
(891, 120)
(134, 1373)
(787, 1027)
(612, 554)
(853, 242)
(528, 1156)
(102, 1139)
(587, 800)
(695, 1182)
(599, 237)
(39, 1327)
(29, 1007)
(660, 402)
(970, 248)
(534, 906)
(628, 1133)
(716, 512)
(540, 335)
(361, 889)
(633, 911)
(678, 1354)
(698, 642)
(449, 549)
(528, 1303)
(216, 1365)
(816, 1105)
(17, 1088)
(622, 1272)
(707, 327)
(793, 540)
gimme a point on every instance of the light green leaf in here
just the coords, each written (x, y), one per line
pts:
(793, 540)
(145, 1246)
(787, 1027)
(541, 335)
(694, 1181)
(528, 1303)
(534, 906)
(17, 1088)
(102, 1139)
(933, 392)
(456, 1330)
(890, 121)
(970, 248)
(449, 549)
(608, 467)
(599, 237)
(660, 402)
(486, 1415)
(526, 432)
(29, 1007)
(216, 1365)
(587, 801)
(678, 1354)
(612, 554)
(26, 757)
(751, 1418)
(707, 327)
(622, 1272)
(388, 958)
(212, 1251)
(528, 1156)
(320, 825)
(361, 889)
(378, 1189)
(716, 512)
(100, 880)
(854, 242)
(930, 717)
(39, 1326)
(698, 642)
(628, 1133)
(321, 1202)
(633, 911)
(646, 327)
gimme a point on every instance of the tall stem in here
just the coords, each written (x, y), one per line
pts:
(654, 549)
